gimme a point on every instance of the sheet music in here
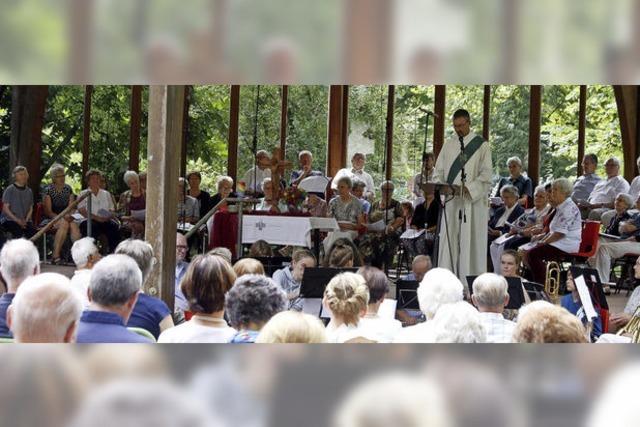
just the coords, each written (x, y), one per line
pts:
(503, 239)
(103, 213)
(314, 184)
(378, 226)
(139, 214)
(585, 297)
(312, 306)
(528, 246)
(610, 236)
(323, 224)
(412, 234)
(184, 226)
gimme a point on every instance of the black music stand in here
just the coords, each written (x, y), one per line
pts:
(439, 189)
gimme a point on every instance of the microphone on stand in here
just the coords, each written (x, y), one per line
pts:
(430, 113)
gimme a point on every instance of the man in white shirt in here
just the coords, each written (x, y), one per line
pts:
(253, 177)
(490, 296)
(634, 191)
(604, 193)
(102, 211)
(356, 171)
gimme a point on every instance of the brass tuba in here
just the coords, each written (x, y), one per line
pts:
(552, 281)
(632, 328)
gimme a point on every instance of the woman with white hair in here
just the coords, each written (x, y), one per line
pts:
(509, 212)
(438, 288)
(515, 178)
(57, 197)
(457, 323)
(269, 203)
(85, 255)
(565, 232)
(132, 200)
(347, 297)
(379, 247)
(224, 187)
(621, 206)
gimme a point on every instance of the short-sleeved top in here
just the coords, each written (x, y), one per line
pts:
(567, 221)
(188, 209)
(347, 212)
(59, 199)
(392, 211)
(148, 313)
(606, 190)
(101, 201)
(19, 199)
(105, 327)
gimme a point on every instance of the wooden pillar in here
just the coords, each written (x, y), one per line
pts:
(86, 130)
(234, 123)
(284, 120)
(582, 126)
(345, 125)
(184, 141)
(535, 114)
(486, 112)
(627, 99)
(335, 145)
(439, 119)
(166, 112)
(134, 129)
(391, 98)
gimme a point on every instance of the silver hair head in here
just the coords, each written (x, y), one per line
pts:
(539, 189)
(510, 189)
(44, 308)
(81, 251)
(141, 252)
(222, 179)
(345, 180)
(490, 290)
(438, 287)
(627, 198)
(614, 160)
(129, 175)
(19, 259)
(254, 299)
(55, 170)
(114, 280)
(563, 185)
(305, 153)
(514, 159)
(458, 323)
(264, 182)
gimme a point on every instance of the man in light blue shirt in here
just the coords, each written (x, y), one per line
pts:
(583, 186)
(181, 268)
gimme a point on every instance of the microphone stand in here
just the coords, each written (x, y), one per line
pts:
(424, 150)
(255, 144)
(462, 213)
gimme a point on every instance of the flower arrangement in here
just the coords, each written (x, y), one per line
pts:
(294, 198)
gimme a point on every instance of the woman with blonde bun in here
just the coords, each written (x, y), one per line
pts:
(347, 297)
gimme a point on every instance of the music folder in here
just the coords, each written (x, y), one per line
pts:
(315, 280)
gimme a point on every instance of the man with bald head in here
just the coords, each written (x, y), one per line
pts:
(45, 309)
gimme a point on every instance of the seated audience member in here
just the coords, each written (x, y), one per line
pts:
(572, 303)
(438, 288)
(357, 190)
(605, 191)
(316, 205)
(85, 255)
(224, 185)
(529, 223)
(270, 203)
(380, 329)
(290, 278)
(347, 210)
(255, 176)
(426, 175)
(102, 211)
(618, 320)
(188, 210)
(490, 296)
(134, 199)
(113, 292)
(425, 217)
(379, 248)
(222, 252)
(634, 192)
(250, 303)
(203, 197)
(457, 323)
(510, 211)
(149, 313)
(208, 279)
(305, 160)
(260, 249)
(18, 261)
(407, 213)
(584, 185)
(45, 310)
(621, 207)
(57, 197)
(516, 179)
(347, 296)
(292, 327)
(182, 248)
(355, 171)
(341, 255)
(17, 206)
(565, 232)
(419, 267)
(248, 266)
(609, 250)
(548, 324)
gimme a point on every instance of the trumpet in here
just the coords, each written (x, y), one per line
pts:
(632, 328)
(552, 281)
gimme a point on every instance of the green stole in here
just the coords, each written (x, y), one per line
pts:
(459, 162)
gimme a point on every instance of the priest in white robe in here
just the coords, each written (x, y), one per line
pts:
(472, 205)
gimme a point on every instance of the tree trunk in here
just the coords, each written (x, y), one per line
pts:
(28, 105)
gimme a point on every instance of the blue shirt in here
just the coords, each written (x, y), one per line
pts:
(583, 186)
(5, 301)
(522, 183)
(244, 337)
(576, 309)
(148, 313)
(181, 301)
(105, 327)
